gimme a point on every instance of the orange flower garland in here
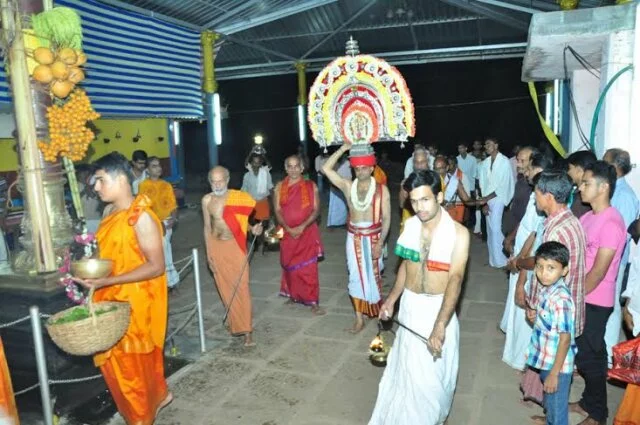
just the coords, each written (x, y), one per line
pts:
(68, 132)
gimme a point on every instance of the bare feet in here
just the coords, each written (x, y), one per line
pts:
(167, 401)
(576, 408)
(318, 311)
(591, 421)
(248, 340)
(527, 403)
(538, 420)
(356, 328)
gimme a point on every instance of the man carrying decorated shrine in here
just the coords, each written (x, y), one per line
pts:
(226, 221)
(163, 203)
(130, 235)
(297, 204)
(368, 226)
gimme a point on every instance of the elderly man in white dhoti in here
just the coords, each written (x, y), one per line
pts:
(528, 238)
(418, 384)
(497, 185)
(368, 227)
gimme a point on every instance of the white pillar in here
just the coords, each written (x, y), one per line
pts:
(634, 124)
(614, 119)
(585, 89)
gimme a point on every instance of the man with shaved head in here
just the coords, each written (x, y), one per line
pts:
(226, 221)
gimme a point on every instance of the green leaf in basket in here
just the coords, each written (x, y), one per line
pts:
(80, 313)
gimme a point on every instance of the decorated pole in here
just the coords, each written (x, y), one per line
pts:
(52, 65)
(212, 99)
(27, 140)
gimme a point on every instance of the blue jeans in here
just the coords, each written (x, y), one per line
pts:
(556, 405)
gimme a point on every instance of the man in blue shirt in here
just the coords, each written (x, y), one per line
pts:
(626, 202)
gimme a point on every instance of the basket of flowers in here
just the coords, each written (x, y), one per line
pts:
(94, 326)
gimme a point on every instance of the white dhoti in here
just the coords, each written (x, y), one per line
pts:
(337, 213)
(364, 272)
(477, 228)
(508, 305)
(614, 323)
(518, 330)
(417, 389)
(495, 237)
(173, 278)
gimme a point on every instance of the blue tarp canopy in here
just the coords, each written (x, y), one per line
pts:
(138, 66)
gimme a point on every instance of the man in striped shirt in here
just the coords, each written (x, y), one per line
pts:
(552, 193)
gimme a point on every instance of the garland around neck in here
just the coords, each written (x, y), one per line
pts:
(362, 205)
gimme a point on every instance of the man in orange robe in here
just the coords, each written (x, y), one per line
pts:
(163, 203)
(131, 236)
(8, 411)
(226, 221)
(297, 204)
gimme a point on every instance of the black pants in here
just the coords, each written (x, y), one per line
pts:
(591, 361)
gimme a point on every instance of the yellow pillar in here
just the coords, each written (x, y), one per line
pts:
(302, 83)
(210, 87)
(302, 104)
(209, 84)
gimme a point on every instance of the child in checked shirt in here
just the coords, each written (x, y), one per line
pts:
(552, 348)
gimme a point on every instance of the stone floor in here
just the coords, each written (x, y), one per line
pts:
(307, 370)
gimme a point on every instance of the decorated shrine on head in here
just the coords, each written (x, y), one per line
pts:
(360, 99)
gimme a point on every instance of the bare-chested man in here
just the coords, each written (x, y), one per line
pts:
(369, 220)
(418, 384)
(226, 214)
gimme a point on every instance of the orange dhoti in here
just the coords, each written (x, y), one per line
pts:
(133, 369)
(262, 210)
(629, 409)
(228, 260)
(8, 411)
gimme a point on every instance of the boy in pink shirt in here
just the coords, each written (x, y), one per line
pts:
(606, 237)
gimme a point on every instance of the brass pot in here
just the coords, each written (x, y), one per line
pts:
(273, 235)
(91, 268)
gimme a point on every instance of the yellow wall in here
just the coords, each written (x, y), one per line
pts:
(150, 130)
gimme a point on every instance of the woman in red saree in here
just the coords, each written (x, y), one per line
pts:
(296, 207)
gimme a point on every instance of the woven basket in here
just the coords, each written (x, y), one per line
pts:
(91, 335)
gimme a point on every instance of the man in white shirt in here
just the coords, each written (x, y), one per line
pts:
(469, 167)
(408, 166)
(433, 153)
(257, 183)
(497, 185)
(139, 165)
